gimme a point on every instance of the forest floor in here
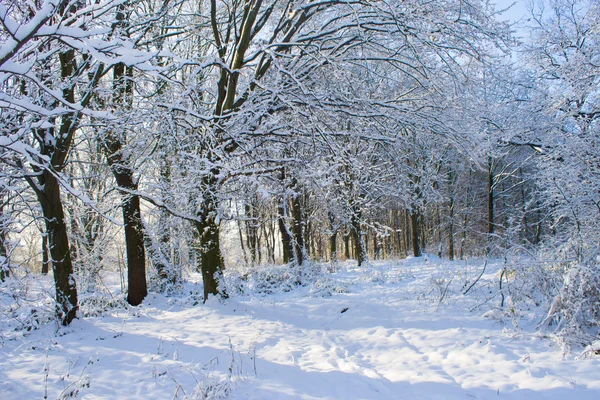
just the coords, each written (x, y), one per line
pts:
(393, 330)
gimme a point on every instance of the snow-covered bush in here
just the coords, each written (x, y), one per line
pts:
(26, 304)
(574, 315)
(326, 287)
(98, 303)
(268, 279)
(567, 291)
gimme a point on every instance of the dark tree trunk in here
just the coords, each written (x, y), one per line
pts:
(416, 234)
(347, 246)
(463, 240)
(47, 189)
(297, 227)
(333, 247)
(359, 247)
(130, 202)
(134, 235)
(56, 228)
(207, 227)
(407, 232)
(376, 248)
(286, 240)
(134, 241)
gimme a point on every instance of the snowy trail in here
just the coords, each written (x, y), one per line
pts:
(387, 345)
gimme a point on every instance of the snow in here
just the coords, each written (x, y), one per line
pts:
(398, 338)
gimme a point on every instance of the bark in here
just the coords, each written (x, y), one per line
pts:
(297, 228)
(407, 232)
(130, 202)
(207, 227)
(415, 224)
(333, 247)
(134, 241)
(62, 266)
(359, 248)
(47, 189)
(376, 248)
(286, 240)
(347, 246)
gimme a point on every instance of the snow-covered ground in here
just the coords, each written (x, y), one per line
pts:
(395, 330)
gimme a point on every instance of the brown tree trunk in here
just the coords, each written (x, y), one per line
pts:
(207, 227)
(347, 246)
(407, 232)
(62, 266)
(416, 234)
(130, 202)
(376, 248)
(297, 230)
(286, 239)
(359, 247)
(47, 189)
(134, 241)
(333, 247)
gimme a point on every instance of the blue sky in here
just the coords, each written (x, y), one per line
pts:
(516, 12)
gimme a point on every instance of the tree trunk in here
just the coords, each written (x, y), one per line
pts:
(347, 246)
(62, 266)
(286, 239)
(130, 203)
(134, 240)
(376, 248)
(297, 228)
(416, 234)
(407, 232)
(359, 247)
(333, 247)
(207, 227)
(47, 189)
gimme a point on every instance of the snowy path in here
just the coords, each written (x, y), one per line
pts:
(387, 345)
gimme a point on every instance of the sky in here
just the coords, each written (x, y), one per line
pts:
(517, 11)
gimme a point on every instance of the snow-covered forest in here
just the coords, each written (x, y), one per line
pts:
(275, 198)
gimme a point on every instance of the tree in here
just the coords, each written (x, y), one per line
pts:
(50, 70)
(564, 53)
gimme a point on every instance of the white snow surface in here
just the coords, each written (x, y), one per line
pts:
(396, 340)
